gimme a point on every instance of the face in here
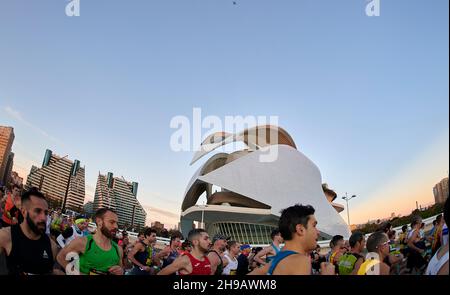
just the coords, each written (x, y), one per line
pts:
(278, 238)
(16, 192)
(235, 249)
(82, 225)
(141, 237)
(202, 242)
(221, 244)
(151, 238)
(108, 224)
(35, 212)
(176, 243)
(310, 234)
(384, 246)
(362, 244)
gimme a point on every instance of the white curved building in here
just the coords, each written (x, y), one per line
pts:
(254, 186)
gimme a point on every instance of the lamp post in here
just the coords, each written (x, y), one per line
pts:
(346, 198)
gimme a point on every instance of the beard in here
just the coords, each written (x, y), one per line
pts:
(108, 233)
(35, 226)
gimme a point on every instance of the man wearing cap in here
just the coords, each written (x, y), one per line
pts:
(243, 263)
(215, 255)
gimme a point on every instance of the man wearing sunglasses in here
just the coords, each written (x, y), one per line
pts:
(378, 247)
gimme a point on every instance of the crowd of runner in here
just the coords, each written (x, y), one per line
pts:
(34, 240)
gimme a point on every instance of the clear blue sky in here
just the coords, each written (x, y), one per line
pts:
(365, 98)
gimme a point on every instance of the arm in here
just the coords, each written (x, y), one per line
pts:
(260, 270)
(5, 240)
(76, 246)
(384, 269)
(262, 253)
(178, 264)
(137, 248)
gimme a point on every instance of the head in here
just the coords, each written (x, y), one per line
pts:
(357, 242)
(81, 223)
(298, 223)
(150, 235)
(337, 243)
(378, 242)
(107, 222)
(233, 248)
(391, 235)
(16, 190)
(416, 222)
(35, 211)
(404, 228)
(186, 246)
(246, 249)
(275, 235)
(220, 242)
(175, 242)
(141, 236)
(199, 240)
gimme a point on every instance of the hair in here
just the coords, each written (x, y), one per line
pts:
(404, 228)
(446, 213)
(193, 234)
(391, 234)
(15, 185)
(355, 238)
(101, 212)
(185, 244)
(231, 244)
(375, 240)
(291, 217)
(274, 233)
(435, 222)
(174, 237)
(438, 218)
(335, 240)
(149, 231)
(415, 220)
(26, 196)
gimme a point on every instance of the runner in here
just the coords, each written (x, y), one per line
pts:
(297, 225)
(378, 246)
(215, 255)
(272, 250)
(28, 249)
(243, 261)
(233, 249)
(436, 236)
(439, 263)
(171, 252)
(196, 262)
(98, 254)
(140, 253)
(416, 247)
(12, 213)
(338, 248)
(71, 233)
(350, 262)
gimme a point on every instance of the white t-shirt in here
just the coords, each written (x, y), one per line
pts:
(64, 242)
(231, 267)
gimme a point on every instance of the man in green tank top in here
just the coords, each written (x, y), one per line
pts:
(97, 253)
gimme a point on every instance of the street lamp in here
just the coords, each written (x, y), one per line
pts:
(346, 198)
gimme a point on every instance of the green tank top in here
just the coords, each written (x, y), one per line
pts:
(96, 260)
(347, 263)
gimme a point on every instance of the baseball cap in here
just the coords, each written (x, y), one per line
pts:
(220, 237)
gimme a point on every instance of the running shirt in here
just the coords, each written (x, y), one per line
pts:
(142, 257)
(277, 259)
(347, 263)
(199, 267)
(435, 264)
(29, 257)
(95, 260)
(171, 258)
(367, 266)
(231, 268)
(277, 250)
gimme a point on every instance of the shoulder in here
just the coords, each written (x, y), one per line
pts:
(5, 235)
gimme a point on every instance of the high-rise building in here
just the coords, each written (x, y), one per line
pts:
(120, 195)
(60, 179)
(440, 191)
(89, 208)
(6, 157)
